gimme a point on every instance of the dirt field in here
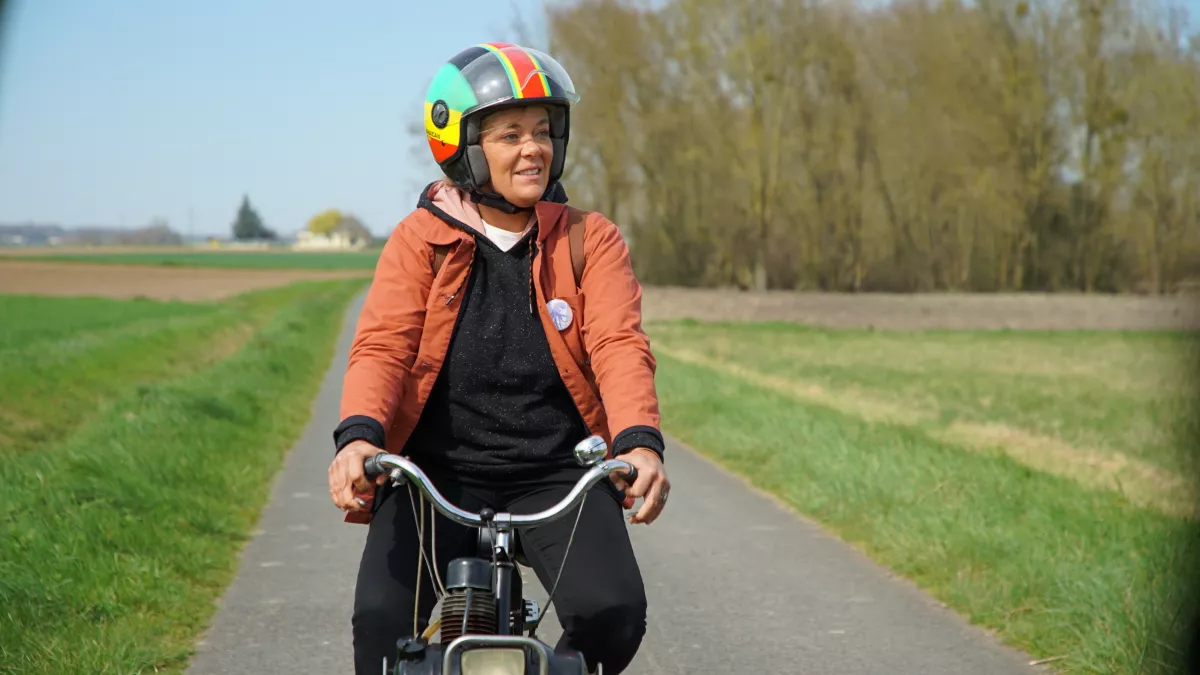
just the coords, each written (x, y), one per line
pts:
(920, 311)
(883, 311)
(27, 251)
(159, 283)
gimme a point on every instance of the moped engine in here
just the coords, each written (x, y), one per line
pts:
(469, 607)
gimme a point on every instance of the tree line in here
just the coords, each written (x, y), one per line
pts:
(913, 145)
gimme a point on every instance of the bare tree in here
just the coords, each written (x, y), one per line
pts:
(917, 145)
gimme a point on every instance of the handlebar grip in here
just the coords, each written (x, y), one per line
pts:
(630, 476)
(371, 467)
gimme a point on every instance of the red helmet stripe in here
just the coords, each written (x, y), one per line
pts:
(508, 68)
(520, 67)
(442, 151)
(524, 68)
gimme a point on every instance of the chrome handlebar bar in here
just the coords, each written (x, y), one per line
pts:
(400, 469)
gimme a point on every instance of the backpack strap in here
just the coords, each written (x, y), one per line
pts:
(439, 256)
(576, 228)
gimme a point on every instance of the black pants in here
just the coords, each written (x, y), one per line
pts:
(600, 601)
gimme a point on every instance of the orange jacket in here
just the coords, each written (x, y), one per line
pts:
(404, 330)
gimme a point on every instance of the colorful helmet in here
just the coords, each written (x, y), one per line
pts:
(483, 79)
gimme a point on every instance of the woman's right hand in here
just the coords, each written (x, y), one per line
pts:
(346, 475)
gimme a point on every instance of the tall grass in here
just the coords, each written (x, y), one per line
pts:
(116, 538)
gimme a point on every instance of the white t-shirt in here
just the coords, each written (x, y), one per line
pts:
(503, 239)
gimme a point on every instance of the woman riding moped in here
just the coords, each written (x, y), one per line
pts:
(481, 355)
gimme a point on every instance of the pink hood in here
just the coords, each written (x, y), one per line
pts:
(457, 205)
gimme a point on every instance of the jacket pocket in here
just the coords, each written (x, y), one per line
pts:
(572, 333)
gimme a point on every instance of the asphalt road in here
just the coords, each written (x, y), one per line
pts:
(736, 585)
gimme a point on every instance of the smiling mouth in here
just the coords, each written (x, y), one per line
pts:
(530, 173)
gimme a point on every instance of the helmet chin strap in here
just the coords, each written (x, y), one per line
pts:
(554, 193)
(496, 201)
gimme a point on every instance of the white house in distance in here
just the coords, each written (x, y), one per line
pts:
(349, 234)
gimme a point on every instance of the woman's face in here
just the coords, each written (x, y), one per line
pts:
(516, 143)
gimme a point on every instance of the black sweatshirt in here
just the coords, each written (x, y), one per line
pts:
(499, 408)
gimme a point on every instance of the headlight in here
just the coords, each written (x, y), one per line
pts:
(493, 662)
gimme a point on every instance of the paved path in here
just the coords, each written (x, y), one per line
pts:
(736, 585)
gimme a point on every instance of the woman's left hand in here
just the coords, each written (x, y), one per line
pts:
(651, 483)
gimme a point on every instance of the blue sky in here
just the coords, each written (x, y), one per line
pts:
(114, 113)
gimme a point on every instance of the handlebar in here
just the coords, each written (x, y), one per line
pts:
(383, 462)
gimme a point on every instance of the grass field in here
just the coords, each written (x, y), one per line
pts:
(325, 260)
(1035, 482)
(141, 437)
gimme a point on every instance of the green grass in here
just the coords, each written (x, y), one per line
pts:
(117, 533)
(94, 351)
(332, 260)
(1052, 566)
(32, 321)
(1127, 393)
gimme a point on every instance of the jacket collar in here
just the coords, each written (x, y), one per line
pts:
(549, 211)
(548, 216)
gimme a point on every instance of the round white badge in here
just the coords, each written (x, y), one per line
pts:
(560, 313)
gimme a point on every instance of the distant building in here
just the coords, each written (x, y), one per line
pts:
(157, 233)
(348, 234)
(30, 234)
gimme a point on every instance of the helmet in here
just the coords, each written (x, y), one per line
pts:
(483, 79)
